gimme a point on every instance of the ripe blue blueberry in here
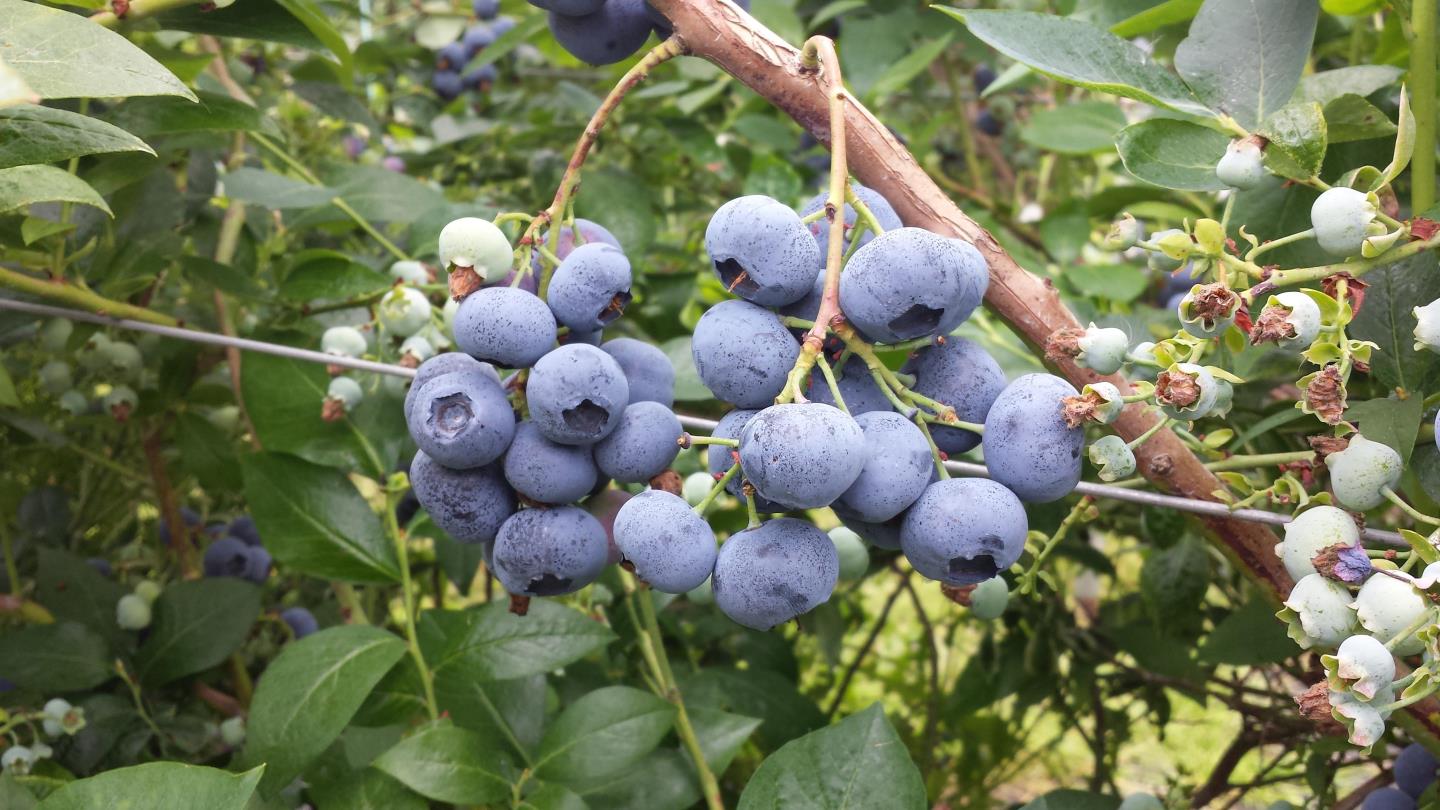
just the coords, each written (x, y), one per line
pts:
(743, 353)
(1415, 769)
(547, 472)
(964, 376)
(447, 84)
(570, 8)
(504, 326)
(614, 31)
(909, 283)
(896, 470)
(577, 394)
(227, 557)
(442, 364)
(188, 516)
(878, 205)
(670, 546)
(987, 123)
(1028, 446)
(761, 250)
(719, 458)
(476, 38)
(301, 621)
(857, 387)
(1388, 798)
(963, 531)
(549, 552)
(802, 456)
(452, 57)
(772, 573)
(642, 445)
(647, 370)
(462, 420)
(243, 527)
(591, 287)
(259, 568)
(468, 505)
(485, 9)
(479, 77)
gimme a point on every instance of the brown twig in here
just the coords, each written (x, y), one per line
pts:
(181, 544)
(866, 645)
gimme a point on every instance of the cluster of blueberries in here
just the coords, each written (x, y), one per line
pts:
(1415, 770)
(450, 78)
(603, 32)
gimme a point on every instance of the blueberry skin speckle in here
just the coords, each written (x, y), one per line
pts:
(962, 375)
(671, 547)
(775, 572)
(613, 32)
(469, 505)
(591, 287)
(577, 394)
(647, 370)
(642, 446)
(896, 471)
(909, 283)
(719, 458)
(878, 205)
(504, 326)
(743, 353)
(301, 621)
(547, 472)
(761, 250)
(462, 420)
(1028, 446)
(802, 456)
(963, 531)
(549, 552)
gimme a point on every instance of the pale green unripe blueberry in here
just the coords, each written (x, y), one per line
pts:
(1141, 801)
(404, 311)
(990, 598)
(1143, 352)
(854, 557)
(435, 336)
(1318, 612)
(17, 760)
(345, 391)
(56, 377)
(1159, 262)
(1209, 390)
(1364, 723)
(1362, 665)
(132, 612)
(62, 718)
(55, 334)
(417, 347)
(702, 594)
(1112, 457)
(477, 243)
(1124, 233)
(410, 272)
(1341, 218)
(91, 355)
(696, 487)
(121, 396)
(1200, 326)
(1304, 317)
(1311, 532)
(1102, 349)
(232, 731)
(1112, 402)
(122, 360)
(1387, 606)
(343, 341)
(74, 403)
(1224, 399)
(1360, 471)
(225, 417)
(394, 386)
(42, 751)
(1427, 326)
(148, 589)
(1242, 166)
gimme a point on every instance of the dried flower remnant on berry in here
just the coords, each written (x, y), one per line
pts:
(1213, 303)
(1176, 388)
(1325, 395)
(1063, 344)
(1343, 563)
(1272, 326)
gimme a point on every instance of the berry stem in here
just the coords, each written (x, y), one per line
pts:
(1026, 583)
(512, 216)
(1426, 618)
(1422, 99)
(829, 375)
(1357, 267)
(1144, 437)
(138, 10)
(715, 491)
(935, 454)
(1259, 460)
(1419, 516)
(810, 219)
(689, 440)
(818, 55)
(1281, 242)
(862, 212)
(398, 486)
(752, 515)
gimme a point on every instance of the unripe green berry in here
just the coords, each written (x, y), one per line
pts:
(56, 377)
(132, 612)
(1387, 606)
(55, 334)
(17, 760)
(1160, 262)
(1362, 665)
(1242, 166)
(232, 731)
(62, 718)
(121, 396)
(1124, 233)
(1304, 317)
(702, 594)
(1311, 532)
(343, 341)
(854, 557)
(1318, 612)
(148, 589)
(1112, 402)
(1112, 457)
(122, 360)
(345, 391)
(990, 598)
(479, 244)
(409, 272)
(1341, 218)
(418, 348)
(404, 311)
(1102, 349)
(74, 403)
(1209, 390)
(1360, 472)
(696, 487)
(1427, 326)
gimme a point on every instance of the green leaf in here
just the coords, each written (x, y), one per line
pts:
(8, 397)
(756, 693)
(15, 797)
(491, 643)
(1244, 57)
(1386, 319)
(273, 190)
(551, 797)
(1351, 118)
(197, 625)
(1174, 580)
(664, 780)
(1249, 636)
(1404, 143)
(367, 789)
(1360, 80)
(62, 657)
(1121, 283)
(310, 15)
(329, 275)
(158, 784)
(34, 134)
(26, 185)
(252, 19)
(377, 194)
(721, 735)
(208, 453)
(858, 762)
(1297, 136)
(1082, 128)
(75, 592)
(1169, 12)
(64, 55)
(904, 70)
(623, 203)
(450, 764)
(601, 734)
(223, 277)
(688, 386)
(1066, 799)
(315, 522)
(283, 398)
(309, 693)
(1076, 52)
(1390, 421)
(149, 117)
(1173, 154)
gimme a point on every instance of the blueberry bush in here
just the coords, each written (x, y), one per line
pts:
(695, 403)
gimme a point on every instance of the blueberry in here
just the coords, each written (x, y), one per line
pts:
(478, 244)
(669, 545)
(611, 33)
(1386, 607)
(857, 386)
(257, 569)
(232, 731)
(227, 557)
(549, 552)
(1242, 166)
(447, 84)
(1028, 446)
(909, 283)
(1415, 769)
(964, 376)
(989, 600)
(502, 26)
(132, 612)
(880, 535)
(984, 75)
(485, 9)
(647, 370)
(302, 622)
(743, 353)
(243, 527)
(771, 574)
(343, 341)
(451, 58)
(570, 8)
(462, 420)
(476, 38)
(480, 76)
(896, 470)
(56, 377)
(604, 504)
(878, 205)
(565, 243)
(642, 445)
(854, 557)
(963, 531)
(101, 566)
(1341, 218)
(188, 516)
(591, 287)
(547, 472)
(1388, 798)
(1311, 532)
(577, 394)
(802, 456)
(468, 505)
(761, 250)
(807, 308)
(442, 364)
(719, 458)
(1360, 471)
(588, 338)
(505, 326)
(987, 123)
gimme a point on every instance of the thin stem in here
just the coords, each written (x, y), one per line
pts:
(863, 213)
(138, 10)
(935, 454)
(1281, 242)
(393, 494)
(1407, 508)
(752, 515)
(1358, 267)
(717, 489)
(829, 375)
(1032, 571)
(1260, 460)
(1423, 693)
(689, 440)
(1144, 437)
(1422, 100)
(1425, 618)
